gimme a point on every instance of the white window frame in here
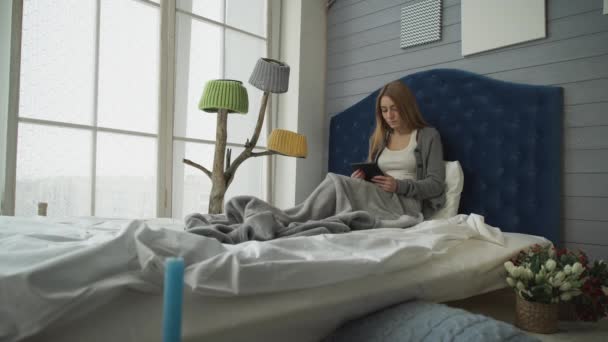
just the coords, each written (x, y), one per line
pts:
(13, 109)
(164, 187)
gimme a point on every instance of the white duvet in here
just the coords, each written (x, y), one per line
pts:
(58, 271)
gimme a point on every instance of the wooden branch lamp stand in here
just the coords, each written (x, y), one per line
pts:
(229, 96)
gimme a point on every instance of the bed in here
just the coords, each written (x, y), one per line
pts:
(507, 137)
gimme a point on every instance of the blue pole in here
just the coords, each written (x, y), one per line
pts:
(173, 297)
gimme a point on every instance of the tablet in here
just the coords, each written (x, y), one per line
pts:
(370, 169)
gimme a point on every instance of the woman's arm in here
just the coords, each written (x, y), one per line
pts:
(433, 184)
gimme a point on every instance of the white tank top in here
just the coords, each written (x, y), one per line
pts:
(400, 164)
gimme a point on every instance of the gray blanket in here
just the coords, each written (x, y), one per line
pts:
(339, 204)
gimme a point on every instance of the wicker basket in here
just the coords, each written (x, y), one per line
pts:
(536, 317)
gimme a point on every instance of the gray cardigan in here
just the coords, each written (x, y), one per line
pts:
(429, 185)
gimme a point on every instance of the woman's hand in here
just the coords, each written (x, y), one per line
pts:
(386, 183)
(359, 174)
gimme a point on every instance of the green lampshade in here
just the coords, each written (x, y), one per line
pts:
(224, 94)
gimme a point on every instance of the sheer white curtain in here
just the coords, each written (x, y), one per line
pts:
(88, 118)
(88, 108)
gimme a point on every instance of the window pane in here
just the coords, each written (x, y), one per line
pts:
(248, 15)
(191, 187)
(58, 60)
(126, 176)
(210, 9)
(198, 60)
(242, 53)
(129, 65)
(53, 166)
(250, 178)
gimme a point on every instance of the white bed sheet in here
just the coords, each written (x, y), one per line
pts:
(469, 268)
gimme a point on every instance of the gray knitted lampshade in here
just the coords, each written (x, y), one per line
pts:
(270, 75)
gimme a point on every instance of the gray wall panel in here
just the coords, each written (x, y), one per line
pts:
(346, 13)
(586, 161)
(369, 37)
(360, 9)
(586, 137)
(588, 114)
(586, 91)
(384, 17)
(562, 24)
(382, 33)
(363, 8)
(586, 185)
(568, 71)
(364, 54)
(366, 11)
(387, 48)
(586, 208)
(345, 3)
(556, 73)
(450, 56)
(590, 232)
(562, 8)
(593, 251)
(380, 18)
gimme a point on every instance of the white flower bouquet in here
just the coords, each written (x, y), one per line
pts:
(538, 275)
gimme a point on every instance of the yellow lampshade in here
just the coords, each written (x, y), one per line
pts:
(288, 143)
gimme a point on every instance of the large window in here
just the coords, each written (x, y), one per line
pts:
(90, 129)
(215, 39)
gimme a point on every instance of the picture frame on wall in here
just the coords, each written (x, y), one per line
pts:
(492, 24)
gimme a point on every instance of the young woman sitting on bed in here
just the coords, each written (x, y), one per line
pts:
(406, 149)
(410, 155)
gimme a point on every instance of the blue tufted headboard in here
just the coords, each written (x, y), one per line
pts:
(507, 137)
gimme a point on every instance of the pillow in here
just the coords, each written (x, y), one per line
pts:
(425, 321)
(454, 181)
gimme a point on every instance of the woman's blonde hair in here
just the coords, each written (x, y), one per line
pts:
(408, 110)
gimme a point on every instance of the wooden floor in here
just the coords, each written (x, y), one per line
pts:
(500, 305)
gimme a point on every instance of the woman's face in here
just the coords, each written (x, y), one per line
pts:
(390, 113)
